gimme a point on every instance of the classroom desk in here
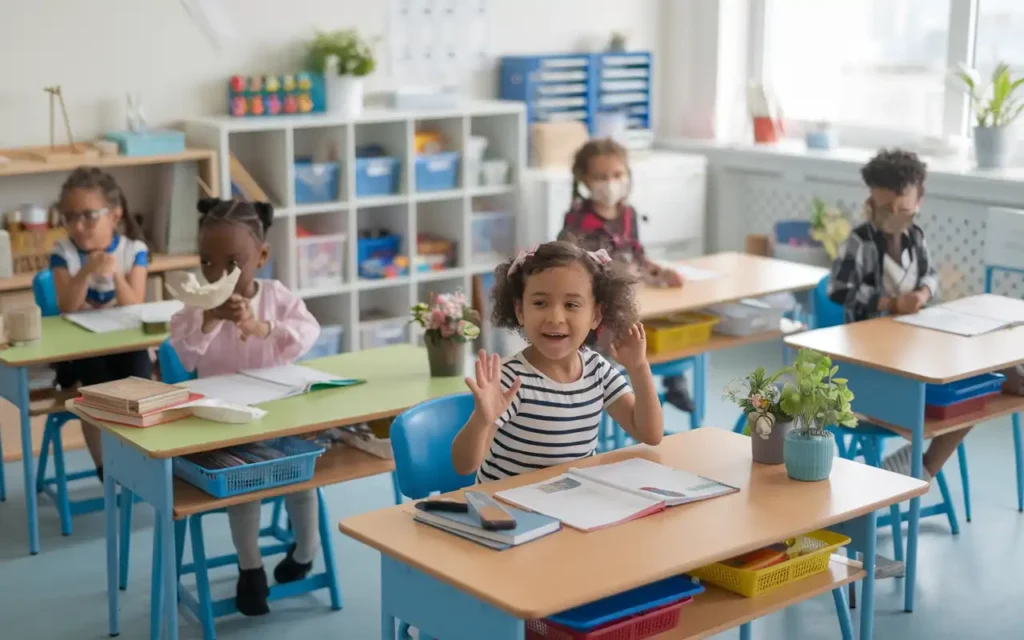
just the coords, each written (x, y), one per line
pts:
(62, 341)
(888, 364)
(453, 589)
(397, 378)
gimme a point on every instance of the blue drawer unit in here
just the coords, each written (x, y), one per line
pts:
(623, 84)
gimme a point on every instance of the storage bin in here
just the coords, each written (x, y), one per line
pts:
(297, 466)
(679, 331)
(381, 333)
(628, 603)
(372, 253)
(266, 272)
(476, 147)
(154, 142)
(642, 625)
(943, 401)
(377, 176)
(746, 317)
(437, 171)
(792, 241)
(316, 181)
(494, 173)
(320, 260)
(328, 344)
(493, 237)
(752, 583)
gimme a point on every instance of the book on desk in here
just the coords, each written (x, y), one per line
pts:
(466, 524)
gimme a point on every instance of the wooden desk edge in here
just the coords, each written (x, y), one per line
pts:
(161, 263)
(149, 343)
(1008, 404)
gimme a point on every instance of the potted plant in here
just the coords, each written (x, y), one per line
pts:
(344, 59)
(758, 395)
(816, 399)
(448, 323)
(994, 110)
(830, 226)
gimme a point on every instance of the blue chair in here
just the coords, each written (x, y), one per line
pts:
(56, 486)
(421, 439)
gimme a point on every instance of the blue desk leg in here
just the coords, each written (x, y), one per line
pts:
(151, 480)
(746, 633)
(438, 610)
(14, 388)
(863, 534)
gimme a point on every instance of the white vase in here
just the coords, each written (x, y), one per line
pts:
(345, 94)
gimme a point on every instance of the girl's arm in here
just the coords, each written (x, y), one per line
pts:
(495, 402)
(638, 413)
(192, 333)
(293, 329)
(70, 289)
(472, 443)
(131, 289)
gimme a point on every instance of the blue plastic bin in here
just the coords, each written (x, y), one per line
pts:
(629, 603)
(437, 171)
(377, 176)
(316, 181)
(328, 344)
(266, 272)
(943, 395)
(154, 142)
(297, 466)
(383, 249)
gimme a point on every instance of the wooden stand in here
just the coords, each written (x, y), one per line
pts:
(70, 153)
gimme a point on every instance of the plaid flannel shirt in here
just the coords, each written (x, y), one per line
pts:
(856, 281)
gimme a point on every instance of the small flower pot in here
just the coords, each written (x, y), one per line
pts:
(993, 147)
(808, 457)
(345, 94)
(768, 449)
(447, 357)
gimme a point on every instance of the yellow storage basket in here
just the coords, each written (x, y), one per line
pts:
(678, 331)
(754, 583)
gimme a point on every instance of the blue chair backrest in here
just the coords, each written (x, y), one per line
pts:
(421, 439)
(45, 293)
(171, 369)
(826, 312)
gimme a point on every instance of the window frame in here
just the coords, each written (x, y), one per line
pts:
(956, 112)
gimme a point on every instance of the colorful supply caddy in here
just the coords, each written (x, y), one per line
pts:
(269, 95)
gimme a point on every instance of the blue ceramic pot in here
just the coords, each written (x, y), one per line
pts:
(808, 458)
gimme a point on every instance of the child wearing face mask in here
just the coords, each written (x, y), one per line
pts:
(604, 220)
(884, 268)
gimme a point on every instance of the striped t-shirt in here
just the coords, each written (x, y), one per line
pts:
(128, 253)
(550, 422)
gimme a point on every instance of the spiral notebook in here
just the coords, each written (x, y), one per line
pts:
(256, 386)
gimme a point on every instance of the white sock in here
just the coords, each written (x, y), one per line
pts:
(244, 520)
(302, 511)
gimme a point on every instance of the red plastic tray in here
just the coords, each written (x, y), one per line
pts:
(643, 625)
(957, 409)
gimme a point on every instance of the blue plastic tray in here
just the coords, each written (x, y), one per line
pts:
(298, 466)
(629, 603)
(943, 395)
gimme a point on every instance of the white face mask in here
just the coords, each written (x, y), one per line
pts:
(609, 192)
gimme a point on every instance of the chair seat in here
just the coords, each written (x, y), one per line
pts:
(673, 368)
(866, 429)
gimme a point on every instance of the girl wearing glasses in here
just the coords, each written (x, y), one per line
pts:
(103, 262)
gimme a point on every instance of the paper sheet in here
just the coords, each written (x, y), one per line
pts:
(239, 388)
(291, 375)
(580, 503)
(1006, 310)
(951, 321)
(694, 274)
(672, 485)
(124, 318)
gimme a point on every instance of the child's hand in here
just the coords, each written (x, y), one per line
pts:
(631, 349)
(101, 263)
(237, 309)
(491, 400)
(908, 303)
(671, 277)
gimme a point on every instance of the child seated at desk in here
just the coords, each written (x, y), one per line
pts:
(883, 268)
(261, 325)
(102, 263)
(542, 407)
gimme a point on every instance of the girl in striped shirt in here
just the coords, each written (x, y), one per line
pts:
(542, 407)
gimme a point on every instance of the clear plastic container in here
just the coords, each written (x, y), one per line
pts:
(320, 260)
(381, 333)
(494, 173)
(493, 237)
(328, 344)
(476, 147)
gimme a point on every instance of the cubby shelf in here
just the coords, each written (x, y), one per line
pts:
(267, 148)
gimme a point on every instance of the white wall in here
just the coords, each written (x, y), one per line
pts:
(100, 49)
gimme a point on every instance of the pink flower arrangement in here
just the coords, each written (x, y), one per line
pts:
(448, 317)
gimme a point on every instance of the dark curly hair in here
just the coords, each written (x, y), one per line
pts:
(256, 216)
(895, 170)
(613, 288)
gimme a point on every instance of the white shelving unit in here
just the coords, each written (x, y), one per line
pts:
(267, 147)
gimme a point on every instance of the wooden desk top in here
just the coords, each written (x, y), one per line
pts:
(63, 340)
(159, 263)
(741, 276)
(585, 567)
(914, 352)
(397, 378)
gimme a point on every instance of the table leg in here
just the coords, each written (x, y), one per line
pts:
(437, 609)
(113, 566)
(746, 632)
(14, 388)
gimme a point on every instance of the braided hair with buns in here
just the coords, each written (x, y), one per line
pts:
(256, 216)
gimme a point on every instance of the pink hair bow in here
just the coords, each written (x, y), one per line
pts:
(521, 259)
(600, 256)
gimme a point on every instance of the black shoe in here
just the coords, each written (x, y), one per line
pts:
(99, 472)
(252, 592)
(288, 570)
(677, 395)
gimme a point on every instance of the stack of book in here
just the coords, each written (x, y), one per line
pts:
(529, 526)
(135, 402)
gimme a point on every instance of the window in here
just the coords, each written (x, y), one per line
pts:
(1000, 36)
(878, 64)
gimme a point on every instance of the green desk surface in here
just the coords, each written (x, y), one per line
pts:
(396, 378)
(63, 340)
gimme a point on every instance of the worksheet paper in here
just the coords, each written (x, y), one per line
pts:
(695, 274)
(125, 318)
(953, 321)
(255, 386)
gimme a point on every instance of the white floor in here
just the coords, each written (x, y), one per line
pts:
(967, 585)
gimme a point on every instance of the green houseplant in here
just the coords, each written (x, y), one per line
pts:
(449, 323)
(758, 395)
(345, 59)
(816, 399)
(995, 108)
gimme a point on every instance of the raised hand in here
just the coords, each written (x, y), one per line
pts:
(630, 350)
(491, 399)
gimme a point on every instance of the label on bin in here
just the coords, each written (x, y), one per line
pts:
(378, 168)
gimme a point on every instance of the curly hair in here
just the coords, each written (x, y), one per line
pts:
(613, 287)
(256, 216)
(895, 170)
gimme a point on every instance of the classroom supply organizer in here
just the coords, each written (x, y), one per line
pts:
(276, 95)
(331, 174)
(679, 331)
(297, 466)
(943, 401)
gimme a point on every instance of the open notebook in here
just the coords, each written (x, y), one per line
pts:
(255, 386)
(606, 495)
(125, 318)
(967, 316)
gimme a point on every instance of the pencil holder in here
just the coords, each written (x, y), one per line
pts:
(24, 324)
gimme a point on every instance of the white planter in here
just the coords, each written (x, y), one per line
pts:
(345, 94)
